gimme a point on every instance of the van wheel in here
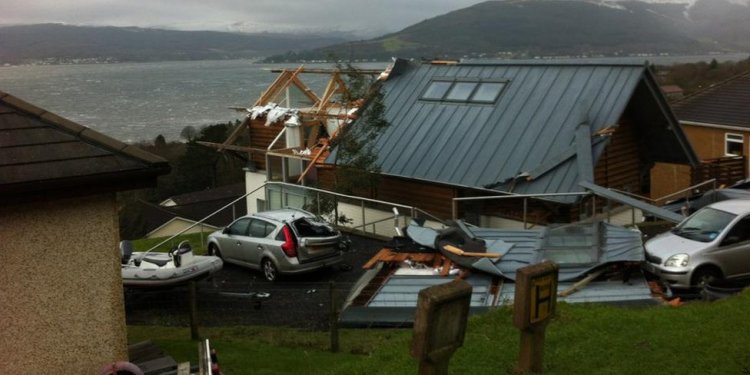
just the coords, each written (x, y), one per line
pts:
(270, 272)
(705, 275)
(213, 250)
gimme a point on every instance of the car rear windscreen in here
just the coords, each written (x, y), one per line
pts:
(307, 227)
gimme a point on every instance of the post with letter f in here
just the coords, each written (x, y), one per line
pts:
(534, 305)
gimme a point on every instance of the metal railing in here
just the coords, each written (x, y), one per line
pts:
(200, 222)
(366, 207)
(413, 212)
(525, 197)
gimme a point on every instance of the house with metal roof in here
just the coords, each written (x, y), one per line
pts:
(716, 120)
(63, 308)
(467, 129)
(522, 127)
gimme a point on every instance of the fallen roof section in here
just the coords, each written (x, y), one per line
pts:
(624, 199)
(488, 259)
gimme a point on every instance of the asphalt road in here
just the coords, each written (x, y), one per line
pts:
(229, 297)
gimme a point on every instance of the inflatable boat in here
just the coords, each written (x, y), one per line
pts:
(155, 270)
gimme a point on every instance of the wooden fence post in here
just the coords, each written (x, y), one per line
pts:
(194, 335)
(440, 325)
(533, 306)
(334, 319)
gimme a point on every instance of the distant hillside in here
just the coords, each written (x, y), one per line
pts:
(64, 43)
(530, 28)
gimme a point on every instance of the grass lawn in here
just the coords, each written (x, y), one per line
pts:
(696, 338)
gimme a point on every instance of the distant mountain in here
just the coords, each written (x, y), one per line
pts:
(65, 43)
(527, 28)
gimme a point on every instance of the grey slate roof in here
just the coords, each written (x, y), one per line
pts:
(726, 103)
(41, 152)
(541, 123)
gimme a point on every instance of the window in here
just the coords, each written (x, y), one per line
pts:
(740, 232)
(260, 228)
(488, 92)
(467, 91)
(436, 90)
(733, 144)
(239, 227)
(461, 91)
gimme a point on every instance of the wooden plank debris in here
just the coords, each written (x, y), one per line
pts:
(390, 256)
(582, 283)
(460, 252)
(446, 267)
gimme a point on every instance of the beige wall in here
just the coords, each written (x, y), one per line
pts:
(62, 299)
(177, 225)
(710, 143)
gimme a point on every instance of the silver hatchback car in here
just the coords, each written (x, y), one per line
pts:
(285, 241)
(713, 243)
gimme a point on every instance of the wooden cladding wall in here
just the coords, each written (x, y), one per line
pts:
(261, 136)
(727, 171)
(433, 198)
(620, 164)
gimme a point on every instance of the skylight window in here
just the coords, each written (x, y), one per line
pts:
(437, 89)
(488, 92)
(461, 91)
(465, 91)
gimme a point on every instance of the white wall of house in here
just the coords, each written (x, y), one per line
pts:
(254, 180)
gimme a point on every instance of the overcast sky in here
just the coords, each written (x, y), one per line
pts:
(364, 16)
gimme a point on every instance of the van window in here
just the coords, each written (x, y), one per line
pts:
(741, 230)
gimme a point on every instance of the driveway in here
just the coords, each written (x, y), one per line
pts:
(227, 299)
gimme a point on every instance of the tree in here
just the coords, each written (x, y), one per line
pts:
(356, 159)
(159, 141)
(357, 169)
(188, 133)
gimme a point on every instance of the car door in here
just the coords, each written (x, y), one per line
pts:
(733, 253)
(259, 240)
(230, 242)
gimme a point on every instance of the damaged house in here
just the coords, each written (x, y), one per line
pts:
(574, 135)
(472, 129)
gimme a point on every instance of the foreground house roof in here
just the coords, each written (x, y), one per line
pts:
(542, 133)
(43, 154)
(725, 104)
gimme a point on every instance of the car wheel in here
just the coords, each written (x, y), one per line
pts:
(270, 272)
(705, 275)
(213, 250)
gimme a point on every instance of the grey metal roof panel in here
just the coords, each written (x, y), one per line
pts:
(533, 120)
(622, 198)
(614, 244)
(402, 291)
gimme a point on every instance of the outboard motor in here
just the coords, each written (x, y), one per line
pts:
(126, 251)
(182, 254)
